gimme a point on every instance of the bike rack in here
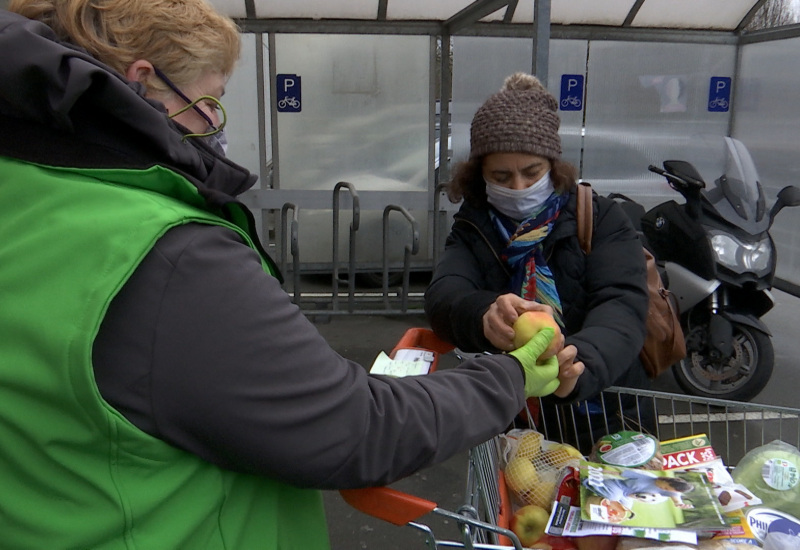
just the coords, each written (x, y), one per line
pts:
(295, 249)
(351, 279)
(362, 302)
(410, 249)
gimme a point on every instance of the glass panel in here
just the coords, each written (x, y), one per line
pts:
(691, 14)
(660, 95)
(766, 121)
(775, 13)
(314, 9)
(362, 119)
(242, 107)
(584, 12)
(481, 64)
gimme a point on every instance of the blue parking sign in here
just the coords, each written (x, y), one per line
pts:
(289, 93)
(719, 94)
(571, 92)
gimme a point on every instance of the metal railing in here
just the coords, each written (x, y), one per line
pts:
(351, 270)
(293, 247)
(409, 250)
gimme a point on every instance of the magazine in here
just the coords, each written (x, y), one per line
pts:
(695, 454)
(565, 519)
(649, 498)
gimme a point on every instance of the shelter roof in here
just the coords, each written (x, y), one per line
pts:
(485, 16)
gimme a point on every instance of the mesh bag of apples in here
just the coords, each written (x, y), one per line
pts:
(532, 466)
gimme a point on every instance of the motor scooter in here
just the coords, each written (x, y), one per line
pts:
(719, 261)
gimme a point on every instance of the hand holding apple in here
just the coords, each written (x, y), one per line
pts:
(498, 320)
(570, 370)
(529, 323)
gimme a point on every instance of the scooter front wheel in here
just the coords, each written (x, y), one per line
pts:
(740, 378)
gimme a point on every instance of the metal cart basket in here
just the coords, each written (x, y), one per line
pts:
(734, 428)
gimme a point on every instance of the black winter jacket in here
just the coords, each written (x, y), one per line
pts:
(603, 294)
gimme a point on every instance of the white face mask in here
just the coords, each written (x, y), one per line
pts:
(218, 141)
(519, 204)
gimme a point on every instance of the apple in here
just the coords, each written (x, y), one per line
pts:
(544, 492)
(561, 454)
(530, 444)
(529, 323)
(522, 478)
(529, 523)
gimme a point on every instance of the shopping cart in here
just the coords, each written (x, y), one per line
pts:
(733, 428)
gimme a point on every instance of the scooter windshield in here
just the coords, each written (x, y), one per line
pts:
(732, 188)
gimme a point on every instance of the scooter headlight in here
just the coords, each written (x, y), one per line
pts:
(741, 257)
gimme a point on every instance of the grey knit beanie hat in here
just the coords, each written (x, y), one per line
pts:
(521, 118)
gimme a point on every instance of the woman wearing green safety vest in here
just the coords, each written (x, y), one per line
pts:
(159, 389)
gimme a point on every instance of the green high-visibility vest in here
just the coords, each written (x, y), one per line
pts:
(74, 473)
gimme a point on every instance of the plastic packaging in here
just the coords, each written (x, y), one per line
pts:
(772, 473)
(532, 466)
(628, 449)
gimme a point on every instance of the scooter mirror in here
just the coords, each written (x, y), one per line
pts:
(684, 171)
(788, 196)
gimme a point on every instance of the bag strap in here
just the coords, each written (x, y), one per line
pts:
(584, 214)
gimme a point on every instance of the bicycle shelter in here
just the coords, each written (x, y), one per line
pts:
(352, 112)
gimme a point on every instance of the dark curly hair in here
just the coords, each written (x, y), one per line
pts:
(467, 182)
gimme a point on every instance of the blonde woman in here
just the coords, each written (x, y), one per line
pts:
(159, 389)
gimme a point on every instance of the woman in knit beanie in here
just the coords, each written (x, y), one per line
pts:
(513, 247)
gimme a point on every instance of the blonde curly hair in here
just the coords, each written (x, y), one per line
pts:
(183, 38)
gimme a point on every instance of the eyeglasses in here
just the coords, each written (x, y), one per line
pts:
(193, 105)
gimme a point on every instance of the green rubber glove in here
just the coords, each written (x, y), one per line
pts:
(540, 378)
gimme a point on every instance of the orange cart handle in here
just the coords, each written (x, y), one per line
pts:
(423, 339)
(417, 337)
(388, 504)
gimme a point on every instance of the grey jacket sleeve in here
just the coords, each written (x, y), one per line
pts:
(205, 351)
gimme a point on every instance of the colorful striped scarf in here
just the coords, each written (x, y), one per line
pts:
(531, 277)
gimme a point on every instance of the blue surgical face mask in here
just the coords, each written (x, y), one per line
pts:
(519, 204)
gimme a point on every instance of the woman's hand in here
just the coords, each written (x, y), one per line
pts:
(568, 371)
(499, 319)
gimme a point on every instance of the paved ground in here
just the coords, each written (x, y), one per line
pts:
(361, 337)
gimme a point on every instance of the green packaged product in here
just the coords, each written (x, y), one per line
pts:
(772, 473)
(628, 449)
